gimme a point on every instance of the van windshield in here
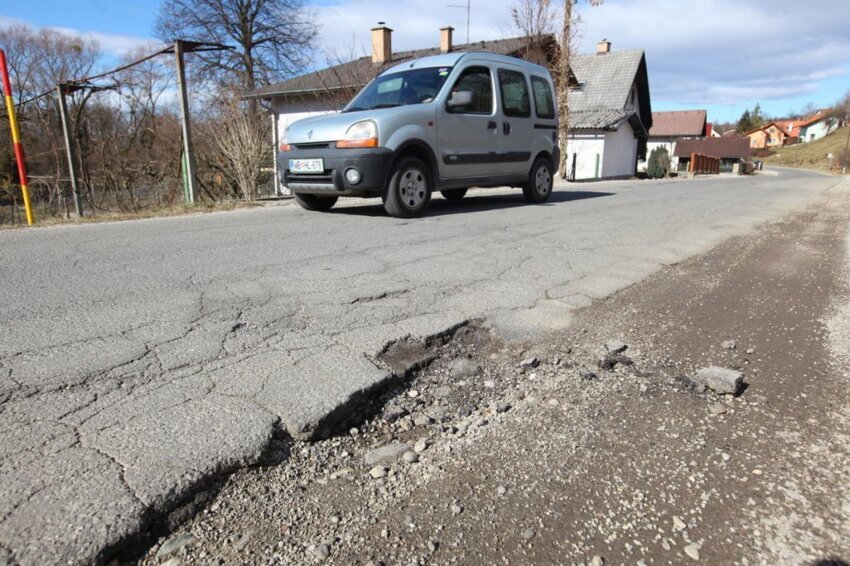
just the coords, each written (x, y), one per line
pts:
(416, 86)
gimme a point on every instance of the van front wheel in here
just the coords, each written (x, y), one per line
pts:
(539, 185)
(408, 194)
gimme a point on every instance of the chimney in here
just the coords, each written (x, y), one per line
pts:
(603, 47)
(382, 44)
(446, 39)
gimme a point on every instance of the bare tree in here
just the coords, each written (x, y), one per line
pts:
(564, 77)
(272, 37)
(242, 146)
(535, 20)
(38, 61)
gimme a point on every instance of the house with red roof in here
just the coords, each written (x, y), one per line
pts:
(670, 127)
(817, 126)
(771, 135)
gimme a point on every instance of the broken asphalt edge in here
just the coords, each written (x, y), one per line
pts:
(359, 406)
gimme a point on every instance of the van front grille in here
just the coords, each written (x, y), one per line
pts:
(321, 145)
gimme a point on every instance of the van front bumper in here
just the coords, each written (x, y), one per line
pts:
(373, 164)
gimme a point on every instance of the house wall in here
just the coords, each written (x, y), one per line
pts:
(758, 140)
(818, 130)
(653, 143)
(620, 159)
(774, 136)
(585, 148)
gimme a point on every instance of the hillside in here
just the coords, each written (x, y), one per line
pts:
(810, 155)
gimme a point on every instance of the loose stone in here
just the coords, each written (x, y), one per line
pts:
(721, 380)
(386, 453)
(692, 550)
(174, 544)
(321, 551)
(616, 346)
(410, 457)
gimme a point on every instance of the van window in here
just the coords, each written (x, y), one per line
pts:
(416, 86)
(515, 98)
(476, 80)
(543, 100)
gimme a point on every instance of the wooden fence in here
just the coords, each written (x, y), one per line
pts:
(704, 164)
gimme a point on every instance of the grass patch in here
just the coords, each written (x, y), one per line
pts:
(812, 155)
(107, 216)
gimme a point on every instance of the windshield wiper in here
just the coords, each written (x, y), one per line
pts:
(389, 105)
(354, 109)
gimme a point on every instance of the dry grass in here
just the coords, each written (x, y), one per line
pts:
(162, 212)
(812, 155)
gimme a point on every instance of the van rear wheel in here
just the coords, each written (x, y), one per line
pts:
(539, 186)
(454, 194)
(316, 203)
(408, 194)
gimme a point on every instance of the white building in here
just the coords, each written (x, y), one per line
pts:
(610, 114)
(817, 127)
(669, 127)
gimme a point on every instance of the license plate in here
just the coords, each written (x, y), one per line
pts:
(307, 165)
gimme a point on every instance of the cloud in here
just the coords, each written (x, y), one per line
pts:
(115, 45)
(698, 52)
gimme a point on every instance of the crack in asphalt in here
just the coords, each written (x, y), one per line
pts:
(242, 322)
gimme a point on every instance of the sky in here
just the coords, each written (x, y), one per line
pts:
(720, 55)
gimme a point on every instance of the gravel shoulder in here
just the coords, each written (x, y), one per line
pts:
(558, 452)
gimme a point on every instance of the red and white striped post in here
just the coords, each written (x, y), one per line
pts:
(16, 138)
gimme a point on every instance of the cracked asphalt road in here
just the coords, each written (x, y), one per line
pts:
(140, 359)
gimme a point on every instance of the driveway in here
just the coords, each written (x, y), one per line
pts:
(141, 360)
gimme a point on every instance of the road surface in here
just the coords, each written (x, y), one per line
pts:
(140, 360)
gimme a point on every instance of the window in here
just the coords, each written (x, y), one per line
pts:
(543, 100)
(416, 86)
(515, 99)
(476, 80)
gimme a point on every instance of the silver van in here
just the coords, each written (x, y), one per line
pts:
(442, 123)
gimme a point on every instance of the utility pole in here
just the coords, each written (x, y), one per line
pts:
(468, 9)
(61, 90)
(189, 158)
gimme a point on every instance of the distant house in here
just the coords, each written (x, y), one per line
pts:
(817, 126)
(670, 127)
(610, 114)
(769, 136)
(730, 150)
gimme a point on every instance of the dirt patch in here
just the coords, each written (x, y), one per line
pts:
(560, 452)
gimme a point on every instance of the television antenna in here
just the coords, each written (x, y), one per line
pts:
(467, 8)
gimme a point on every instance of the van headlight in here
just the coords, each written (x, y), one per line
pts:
(283, 145)
(361, 134)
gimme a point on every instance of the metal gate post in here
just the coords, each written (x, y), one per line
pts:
(187, 130)
(66, 130)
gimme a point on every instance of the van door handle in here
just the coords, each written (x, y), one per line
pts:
(492, 125)
(506, 128)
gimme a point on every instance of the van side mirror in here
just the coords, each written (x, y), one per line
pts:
(460, 98)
